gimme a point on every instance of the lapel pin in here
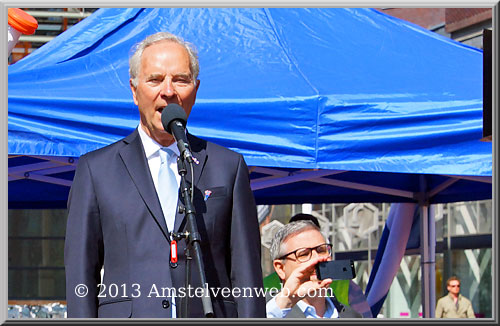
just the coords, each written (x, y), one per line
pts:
(207, 194)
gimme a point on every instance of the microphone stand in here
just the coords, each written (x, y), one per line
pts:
(193, 239)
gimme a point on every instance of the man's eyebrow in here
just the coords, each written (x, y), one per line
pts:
(159, 75)
(154, 75)
(184, 75)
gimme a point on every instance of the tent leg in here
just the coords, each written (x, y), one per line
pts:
(432, 259)
(428, 261)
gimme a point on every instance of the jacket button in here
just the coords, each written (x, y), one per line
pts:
(165, 304)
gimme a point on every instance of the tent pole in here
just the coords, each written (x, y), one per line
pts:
(432, 259)
(427, 253)
(423, 258)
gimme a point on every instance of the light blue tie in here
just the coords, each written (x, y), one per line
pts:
(168, 188)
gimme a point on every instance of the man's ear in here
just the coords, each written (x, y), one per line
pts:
(279, 267)
(133, 88)
(197, 85)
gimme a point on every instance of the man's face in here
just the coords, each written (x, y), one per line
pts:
(454, 287)
(308, 238)
(164, 77)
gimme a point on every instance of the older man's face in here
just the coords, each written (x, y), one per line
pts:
(164, 77)
(308, 238)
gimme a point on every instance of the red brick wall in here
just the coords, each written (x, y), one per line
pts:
(424, 17)
(457, 18)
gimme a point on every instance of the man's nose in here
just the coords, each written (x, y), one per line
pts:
(167, 88)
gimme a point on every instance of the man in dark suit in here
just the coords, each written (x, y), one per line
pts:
(296, 249)
(120, 222)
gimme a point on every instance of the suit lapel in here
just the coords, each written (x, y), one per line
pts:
(134, 158)
(198, 149)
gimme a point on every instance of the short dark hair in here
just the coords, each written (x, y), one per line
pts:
(304, 217)
(453, 278)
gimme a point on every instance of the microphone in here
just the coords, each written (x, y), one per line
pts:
(174, 118)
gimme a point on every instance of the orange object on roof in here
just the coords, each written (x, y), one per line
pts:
(22, 21)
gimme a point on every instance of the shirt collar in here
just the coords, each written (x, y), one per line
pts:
(452, 297)
(331, 312)
(310, 311)
(151, 146)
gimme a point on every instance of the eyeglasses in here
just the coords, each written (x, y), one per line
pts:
(454, 286)
(304, 254)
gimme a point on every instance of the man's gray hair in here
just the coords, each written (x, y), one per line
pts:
(286, 231)
(135, 59)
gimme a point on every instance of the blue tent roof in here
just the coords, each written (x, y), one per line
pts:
(366, 98)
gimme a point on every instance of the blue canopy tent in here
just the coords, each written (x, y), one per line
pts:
(326, 105)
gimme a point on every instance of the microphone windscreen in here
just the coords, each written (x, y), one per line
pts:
(170, 113)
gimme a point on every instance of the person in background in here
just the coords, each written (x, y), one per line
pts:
(304, 217)
(296, 249)
(355, 296)
(454, 305)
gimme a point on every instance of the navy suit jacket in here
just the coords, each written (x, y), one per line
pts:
(115, 220)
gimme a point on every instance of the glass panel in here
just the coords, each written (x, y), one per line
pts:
(404, 297)
(357, 226)
(470, 217)
(37, 222)
(37, 284)
(36, 252)
(440, 219)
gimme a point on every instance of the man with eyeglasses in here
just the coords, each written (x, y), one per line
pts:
(296, 249)
(454, 305)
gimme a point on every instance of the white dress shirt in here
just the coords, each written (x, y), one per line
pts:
(152, 148)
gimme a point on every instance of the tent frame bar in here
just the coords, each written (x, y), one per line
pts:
(279, 178)
(55, 164)
(40, 171)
